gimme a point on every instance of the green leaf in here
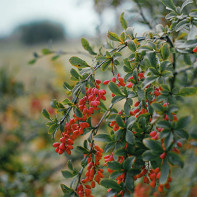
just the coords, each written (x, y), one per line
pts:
(123, 21)
(152, 58)
(130, 138)
(153, 145)
(115, 89)
(127, 107)
(109, 183)
(188, 91)
(164, 124)
(116, 99)
(46, 51)
(193, 13)
(33, 61)
(165, 51)
(53, 128)
(67, 102)
(129, 183)
(181, 25)
(149, 155)
(74, 73)
(181, 133)
(109, 147)
(78, 113)
(157, 107)
(77, 62)
(105, 65)
(103, 138)
(46, 114)
(168, 140)
(165, 169)
(66, 189)
(131, 45)
(169, 4)
(128, 163)
(183, 122)
(175, 159)
(187, 2)
(67, 86)
(149, 80)
(130, 121)
(119, 121)
(113, 36)
(82, 150)
(114, 165)
(87, 46)
(67, 174)
(70, 166)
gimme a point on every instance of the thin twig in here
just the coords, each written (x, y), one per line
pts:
(142, 14)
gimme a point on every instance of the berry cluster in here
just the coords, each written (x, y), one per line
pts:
(93, 174)
(75, 127)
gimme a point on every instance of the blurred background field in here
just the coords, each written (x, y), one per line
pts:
(28, 164)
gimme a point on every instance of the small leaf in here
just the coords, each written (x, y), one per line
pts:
(82, 150)
(67, 86)
(187, 2)
(109, 183)
(116, 99)
(169, 4)
(157, 107)
(46, 114)
(53, 128)
(188, 91)
(74, 73)
(165, 51)
(113, 36)
(33, 61)
(115, 89)
(181, 133)
(175, 159)
(131, 45)
(103, 138)
(165, 169)
(168, 140)
(67, 174)
(129, 183)
(105, 65)
(130, 138)
(123, 21)
(46, 51)
(149, 155)
(130, 121)
(128, 163)
(78, 113)
(119, 121)
(87, 46)
(70, 166)
(114, 165)
(153, 145)
(127, 107)
(183, 122)
(77, 62)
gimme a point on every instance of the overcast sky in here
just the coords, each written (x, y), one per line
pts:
(77, 18)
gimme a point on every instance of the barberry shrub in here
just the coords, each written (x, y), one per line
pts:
(147, 78)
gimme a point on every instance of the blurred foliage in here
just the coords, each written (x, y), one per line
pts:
(41, 32)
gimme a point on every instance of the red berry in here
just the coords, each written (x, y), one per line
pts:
(56, 144)
(106, 82)
(98, 81)
(195, 50)
(163, 155)
(157, 93)
(179, 144)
